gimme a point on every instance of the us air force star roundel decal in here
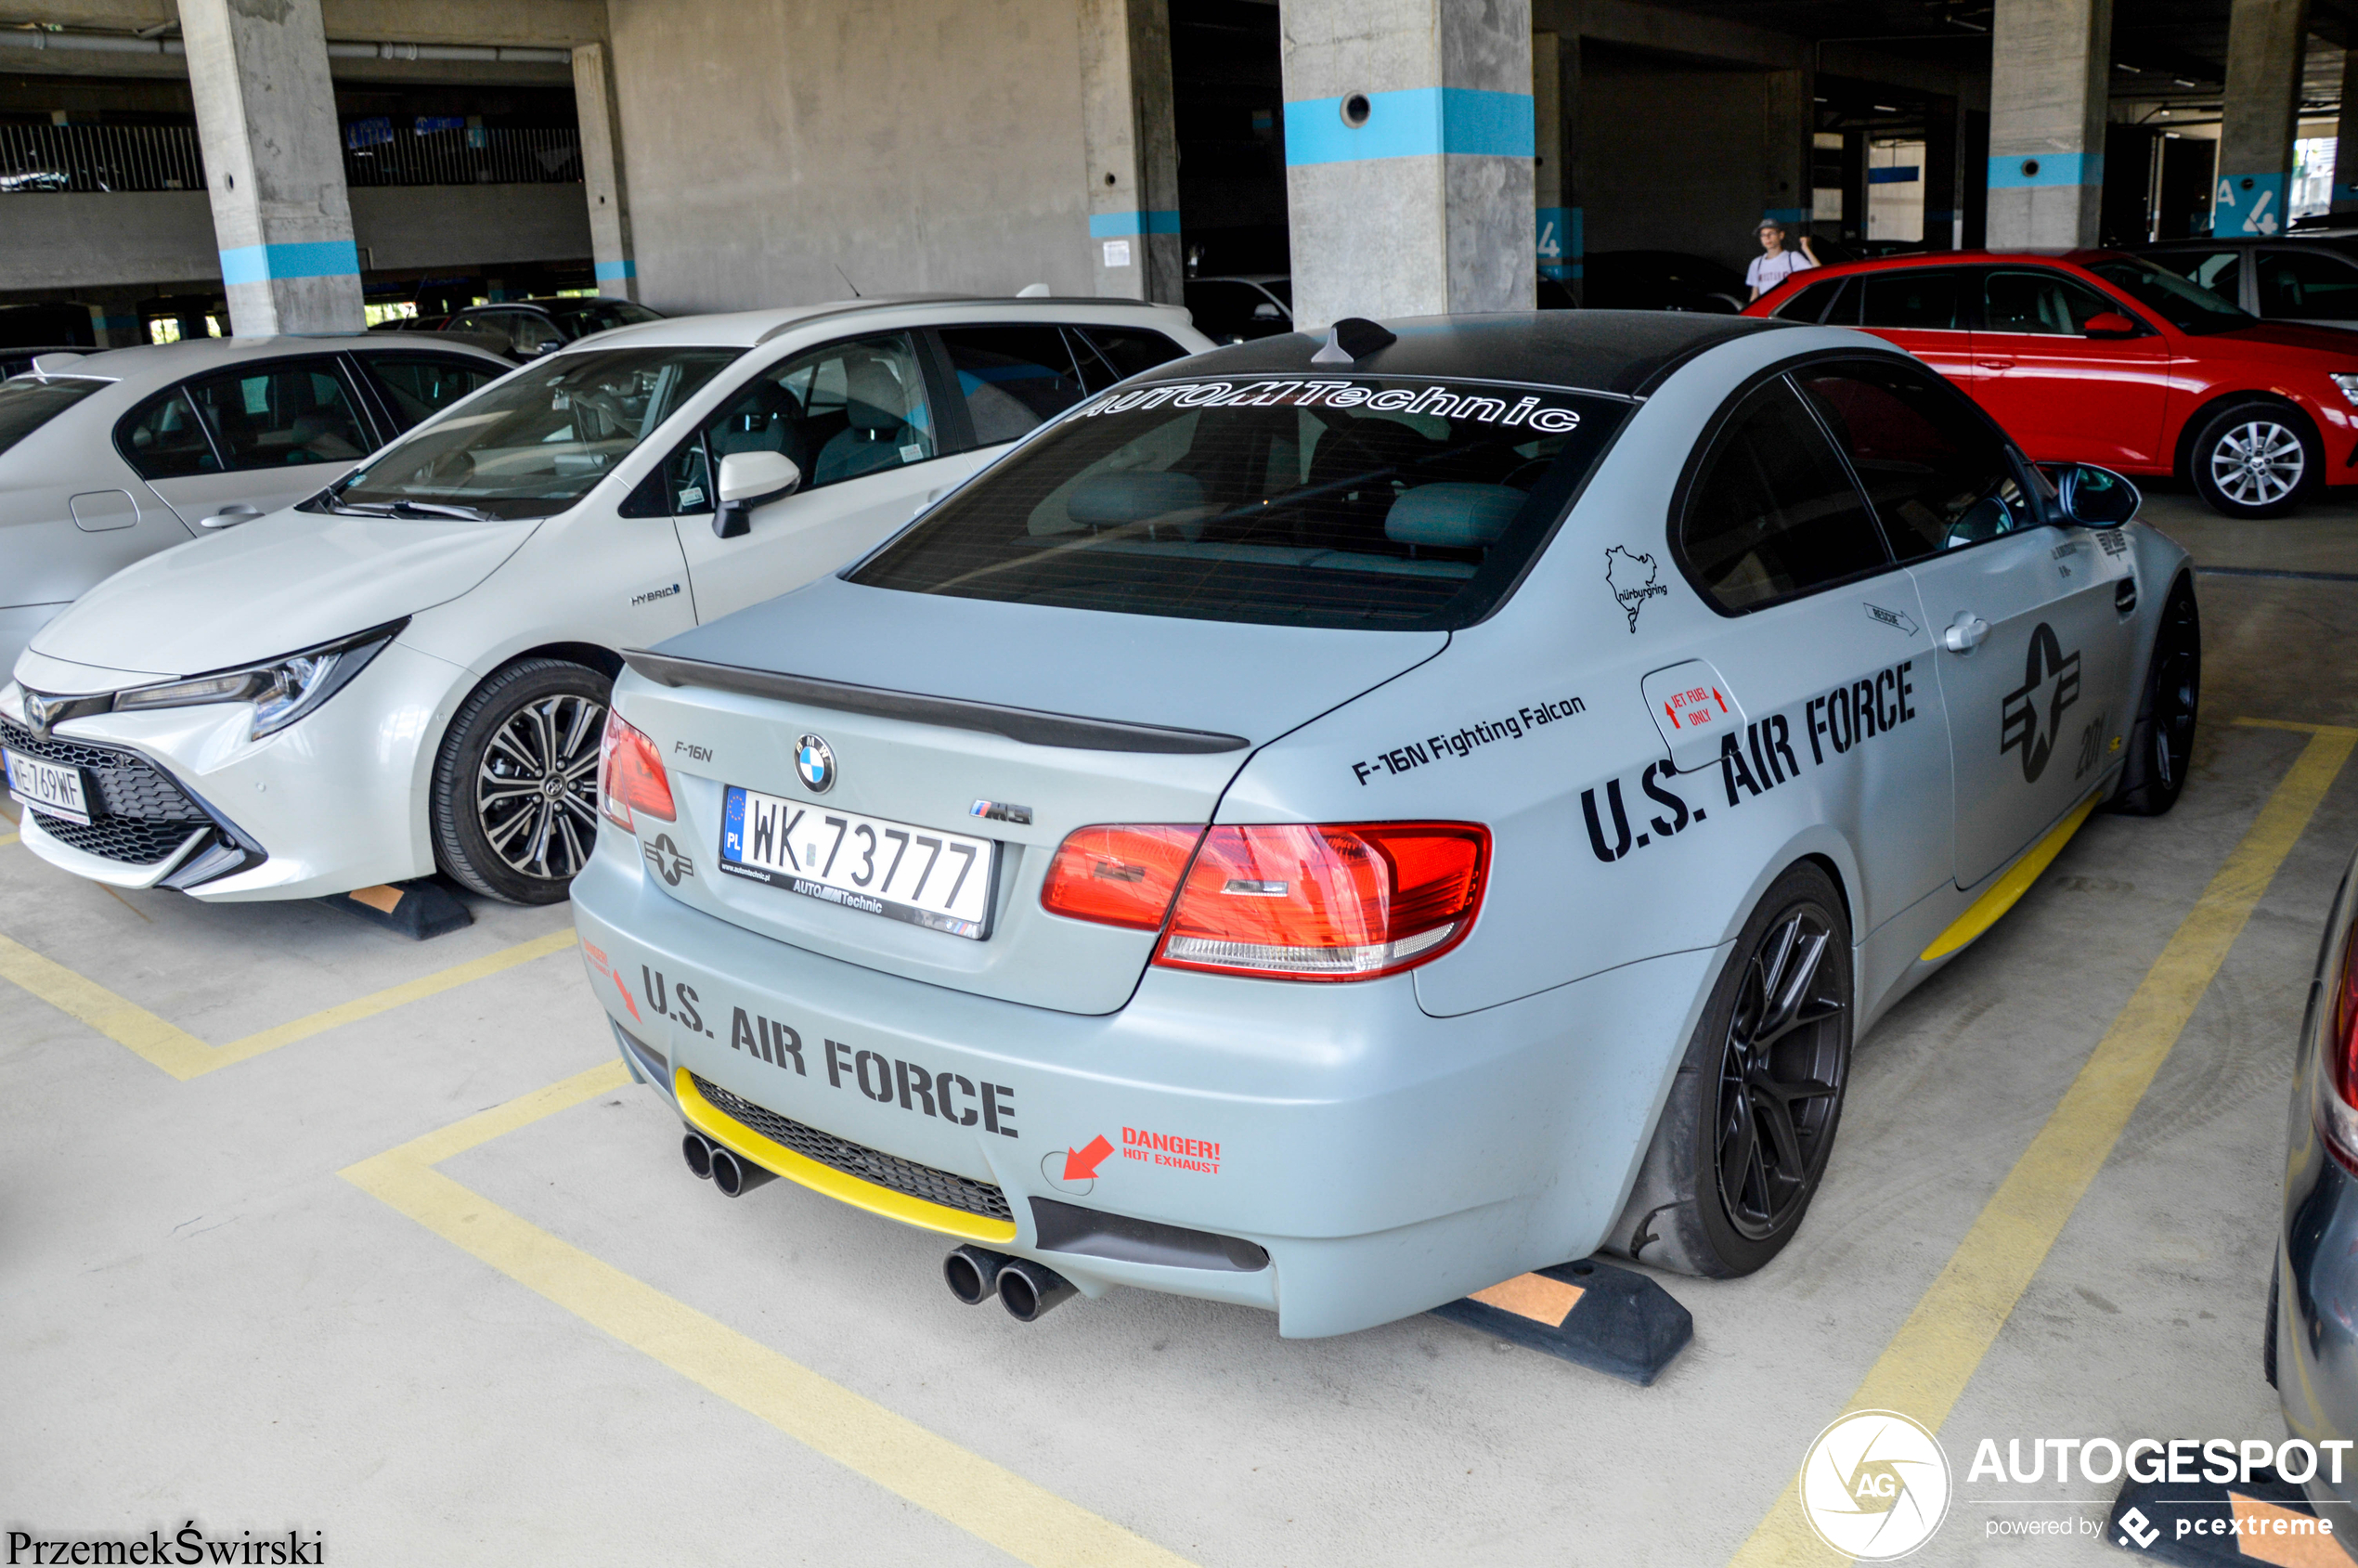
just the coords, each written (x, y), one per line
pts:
(2033, 714)
(816, 764)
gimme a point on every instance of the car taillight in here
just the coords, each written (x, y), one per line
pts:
(2337, 1095)
(630, 775)
(1118, 875)
(1327, 904)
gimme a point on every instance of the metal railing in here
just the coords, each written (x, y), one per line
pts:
(134, 158)
(37, 158)
(462, 156)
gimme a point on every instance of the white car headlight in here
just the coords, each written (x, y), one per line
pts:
(281, 690)
(2348, 382)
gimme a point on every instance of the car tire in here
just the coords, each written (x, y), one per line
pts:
(514, 808)
(1714, 1198)
(2162, 743)
(2255, 459)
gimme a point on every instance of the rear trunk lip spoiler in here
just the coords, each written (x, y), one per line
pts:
(1028, 725)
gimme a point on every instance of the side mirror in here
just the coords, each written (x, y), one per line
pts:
(2092, 497)
(1264, 311)
(230, 516)
(2110, 324)
(748, 480)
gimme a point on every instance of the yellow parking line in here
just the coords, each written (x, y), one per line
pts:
(1925, 1368)
(183, 1054)
(1025, 1520)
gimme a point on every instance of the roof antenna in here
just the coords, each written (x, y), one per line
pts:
(847, 280)
(1354, 337)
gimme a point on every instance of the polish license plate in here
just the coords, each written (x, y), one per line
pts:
(50, 787)
(943, 881)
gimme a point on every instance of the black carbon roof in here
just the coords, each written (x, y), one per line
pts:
(1624, 351)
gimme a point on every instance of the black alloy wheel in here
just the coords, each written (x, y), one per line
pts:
(1749, 1125)
(1781, 1075)
(2161, 745)
(515, 784)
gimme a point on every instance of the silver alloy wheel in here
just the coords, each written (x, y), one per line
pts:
(537, 791)
(2258, 463)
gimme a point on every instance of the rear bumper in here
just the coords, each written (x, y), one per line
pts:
(1386, 1160)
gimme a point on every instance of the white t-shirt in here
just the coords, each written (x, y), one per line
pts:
(1767, 271)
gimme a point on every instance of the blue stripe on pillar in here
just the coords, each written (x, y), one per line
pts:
(1412, 122)
(315, 258)
(2025, 170)
(2249, 204)
(1114, 226)
(1786, 214)
(613, 271)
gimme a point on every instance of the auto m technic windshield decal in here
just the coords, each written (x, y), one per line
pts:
(1770, 754)
(1528, 412)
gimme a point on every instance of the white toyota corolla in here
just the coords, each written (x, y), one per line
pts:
(410, 669)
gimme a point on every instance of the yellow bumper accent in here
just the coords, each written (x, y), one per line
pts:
(746, 1144)
(2007, 891)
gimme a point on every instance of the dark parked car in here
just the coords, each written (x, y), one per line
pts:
(1239, 309)
(526, 328)
(2310, 1350)
(2312, 278)
(1661, 281)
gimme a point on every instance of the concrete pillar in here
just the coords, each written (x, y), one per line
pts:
(2051, 67)
(1130, 139)
(2260, 117)
(1788, 123)
(1555, 97)
(2346, 139)
(274, 164)
(1944, 175)
(114, 318)
(1409, 145)
(603, 184)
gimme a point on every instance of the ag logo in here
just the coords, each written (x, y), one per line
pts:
(2033, 714)
(1874, 1486)
(815, 762)
(666, 860)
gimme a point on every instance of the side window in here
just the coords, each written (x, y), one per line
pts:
(2314, 287)
(1111, 354)
(2219, 271)
(847, 409)
(529, 334)
(1013, 379)
(280, 413)
(1911, 300)
(1811, 303)
(2039, 302)
(1938, 476)
(1772, 512)
(418, 384)
(163, 439)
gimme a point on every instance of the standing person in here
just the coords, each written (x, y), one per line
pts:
(1777, 262)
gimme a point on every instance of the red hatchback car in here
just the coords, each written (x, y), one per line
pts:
(2095, 356)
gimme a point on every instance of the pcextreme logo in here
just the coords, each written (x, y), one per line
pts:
(1874, 1485)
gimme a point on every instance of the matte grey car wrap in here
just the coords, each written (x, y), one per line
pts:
(1647, 764)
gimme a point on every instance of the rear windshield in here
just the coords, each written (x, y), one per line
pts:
(27, 403)
(1398, 505)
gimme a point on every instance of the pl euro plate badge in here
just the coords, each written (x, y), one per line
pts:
(943, 881)
(48, 787)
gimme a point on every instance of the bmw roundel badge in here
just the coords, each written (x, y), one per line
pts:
(816, 763)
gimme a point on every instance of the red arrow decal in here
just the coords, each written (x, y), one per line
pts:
(1723, 702)
(626, 999)
(1082, 1164)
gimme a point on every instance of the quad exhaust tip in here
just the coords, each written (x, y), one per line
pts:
(708, 1162)
(1026, 1290)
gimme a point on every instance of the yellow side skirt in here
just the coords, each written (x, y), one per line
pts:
(2007, 891)
(746, 1144)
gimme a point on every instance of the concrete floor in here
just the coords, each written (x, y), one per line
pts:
(201, 1319)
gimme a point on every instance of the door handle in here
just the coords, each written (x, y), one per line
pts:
(230, 516)
(1965, 633)
(1995, 364)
